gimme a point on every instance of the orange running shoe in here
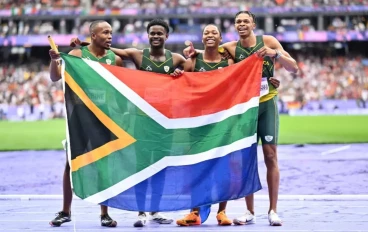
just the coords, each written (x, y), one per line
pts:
(192, 219)
(223, 220)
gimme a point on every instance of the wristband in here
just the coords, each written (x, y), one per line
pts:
(278, 54)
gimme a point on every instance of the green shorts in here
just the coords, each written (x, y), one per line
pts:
(268, 122)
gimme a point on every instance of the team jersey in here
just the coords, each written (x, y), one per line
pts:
(109, 58)
(203, 66)
(165, 67)
(268, 67)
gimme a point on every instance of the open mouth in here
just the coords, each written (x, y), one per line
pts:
(242, 30)
(156, 42)
(108, 43)
(210, 41)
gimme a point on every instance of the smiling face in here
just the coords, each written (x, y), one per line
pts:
(244, 24)
(211, 36)
(102, 35)
(157, 36)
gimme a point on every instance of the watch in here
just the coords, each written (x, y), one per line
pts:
(278, 54)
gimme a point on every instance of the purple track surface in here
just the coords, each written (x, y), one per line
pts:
(336, 170)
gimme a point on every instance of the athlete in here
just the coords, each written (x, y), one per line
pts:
(98, 50)
(210, 59)
(269, 48)
(159, 60)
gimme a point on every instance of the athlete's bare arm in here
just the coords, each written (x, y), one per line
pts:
(189, 64)
(55, 72)
(118, 61)
(129, 53)
(272, 45)
(230, 61)
(230, 47)
(178, 60)
(190, 51)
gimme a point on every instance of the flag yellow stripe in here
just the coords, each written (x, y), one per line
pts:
(124, 139)
(97, 154)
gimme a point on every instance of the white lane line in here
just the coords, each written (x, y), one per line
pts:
(331, 151)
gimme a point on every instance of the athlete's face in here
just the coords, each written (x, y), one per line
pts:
(211, 36)
(102, 35)
(157, 36)
(244, 25)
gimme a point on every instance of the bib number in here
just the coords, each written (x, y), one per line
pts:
(264, 87)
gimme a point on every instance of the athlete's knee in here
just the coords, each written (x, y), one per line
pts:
(270, 155)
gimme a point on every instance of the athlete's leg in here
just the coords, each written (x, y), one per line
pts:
(269, 135)
(67, 189)
(65, 215)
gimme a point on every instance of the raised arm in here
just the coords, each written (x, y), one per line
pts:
(128, 53)
(55, 65)
(274, 49)
(190, 51)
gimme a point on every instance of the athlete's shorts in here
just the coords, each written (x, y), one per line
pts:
(268, 121)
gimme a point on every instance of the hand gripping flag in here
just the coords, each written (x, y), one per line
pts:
(143, 141)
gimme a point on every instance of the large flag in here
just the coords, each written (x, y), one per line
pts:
(143, 141)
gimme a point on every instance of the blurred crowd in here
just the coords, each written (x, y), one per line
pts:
(7, 28)
(38, 4)
(339, 78)
(139, 4)
(28, 90)
(221, 3)
(78, 26)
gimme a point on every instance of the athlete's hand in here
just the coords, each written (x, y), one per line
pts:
(225, 54)
(54, 55)
(266, 51)
(177, 73)
(76, 42)
(189, 51)
(275, 82)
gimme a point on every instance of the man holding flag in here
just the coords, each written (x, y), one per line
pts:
(155, 59)
(166, 129)
(211, 59)
(98, 50)
(271, 50)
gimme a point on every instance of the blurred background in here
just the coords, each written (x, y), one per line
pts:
(324, 107)
(328, 38)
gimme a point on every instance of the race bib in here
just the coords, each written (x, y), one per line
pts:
(264, 87)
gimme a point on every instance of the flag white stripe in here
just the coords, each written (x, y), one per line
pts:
(170, 161)
(170, 123)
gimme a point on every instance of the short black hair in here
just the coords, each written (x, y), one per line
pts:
(211, 24)
(248, 13)
(158, 22)
(94, 24)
